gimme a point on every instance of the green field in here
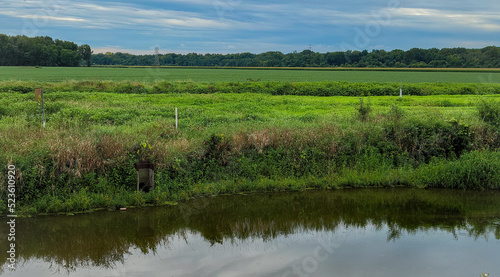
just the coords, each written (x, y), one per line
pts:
(213, 112)
(149, 75)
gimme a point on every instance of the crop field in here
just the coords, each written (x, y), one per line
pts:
(150, 75)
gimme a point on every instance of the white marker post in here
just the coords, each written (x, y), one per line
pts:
(401, 90)
(176, 119)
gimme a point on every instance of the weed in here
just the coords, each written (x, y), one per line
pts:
(364, 110)
(489, 111)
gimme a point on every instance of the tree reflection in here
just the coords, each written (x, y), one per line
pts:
(103, 239)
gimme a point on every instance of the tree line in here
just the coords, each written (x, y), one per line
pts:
(42, 51)
(45, 51)
(488, 57)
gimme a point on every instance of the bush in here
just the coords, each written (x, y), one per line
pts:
(475, 170)
(363, 110)
(162, 87)
(396, 113)
(489, 112)
(341, 88)
(130, 88)
(16, 88)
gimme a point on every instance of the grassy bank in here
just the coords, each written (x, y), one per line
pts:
(239, 142)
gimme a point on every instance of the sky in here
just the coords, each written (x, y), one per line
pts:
(256, 26)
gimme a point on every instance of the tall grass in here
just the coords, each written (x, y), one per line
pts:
(475, 170)
(228, 143)
(489, 111)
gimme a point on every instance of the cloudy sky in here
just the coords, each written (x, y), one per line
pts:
(235, 26)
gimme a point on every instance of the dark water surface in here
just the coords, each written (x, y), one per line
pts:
(383, 232)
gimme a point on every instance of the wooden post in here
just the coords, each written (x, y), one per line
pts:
(38, 95)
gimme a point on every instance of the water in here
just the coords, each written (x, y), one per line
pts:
(383, 232)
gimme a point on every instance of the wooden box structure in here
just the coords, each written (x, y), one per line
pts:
(145, 176)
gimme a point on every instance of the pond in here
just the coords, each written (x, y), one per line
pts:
(368, 232)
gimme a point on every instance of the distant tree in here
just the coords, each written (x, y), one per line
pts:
(69, 58)
(455, 60)
(416, 57)
(86, 53)
(39, 51)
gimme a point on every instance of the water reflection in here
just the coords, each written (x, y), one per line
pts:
(229, 226)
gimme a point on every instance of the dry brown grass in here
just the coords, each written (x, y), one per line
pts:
(328, 136)
(164, 153)
(75, 155)
(78, 154)
(110, 148)
(261, 139)
(485, 137)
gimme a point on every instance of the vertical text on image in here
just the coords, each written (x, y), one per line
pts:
(11, 216)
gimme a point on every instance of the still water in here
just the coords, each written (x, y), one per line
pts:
(383, 232)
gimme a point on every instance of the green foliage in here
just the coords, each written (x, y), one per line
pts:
(326, 88)
(41, 51)
(162, 87)
(143, 152)
(413, 58)
(232, 142)
(422, 140)
(396, 113)
(363, 110)
(17, 88)
(130, 88)
(489, 111)
(86, 53)
(475, 170)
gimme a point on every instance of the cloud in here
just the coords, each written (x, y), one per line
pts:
(417, 18)
(229, 26)
(467, 43)
(110, 15)
(41, 16)
(446, 19)
(197, 2)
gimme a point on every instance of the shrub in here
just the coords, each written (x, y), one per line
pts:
(16, 88)
(396, 113)
(475, 170)
(162, 87)
(130, 88)
(489, 112)
(363, 110)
